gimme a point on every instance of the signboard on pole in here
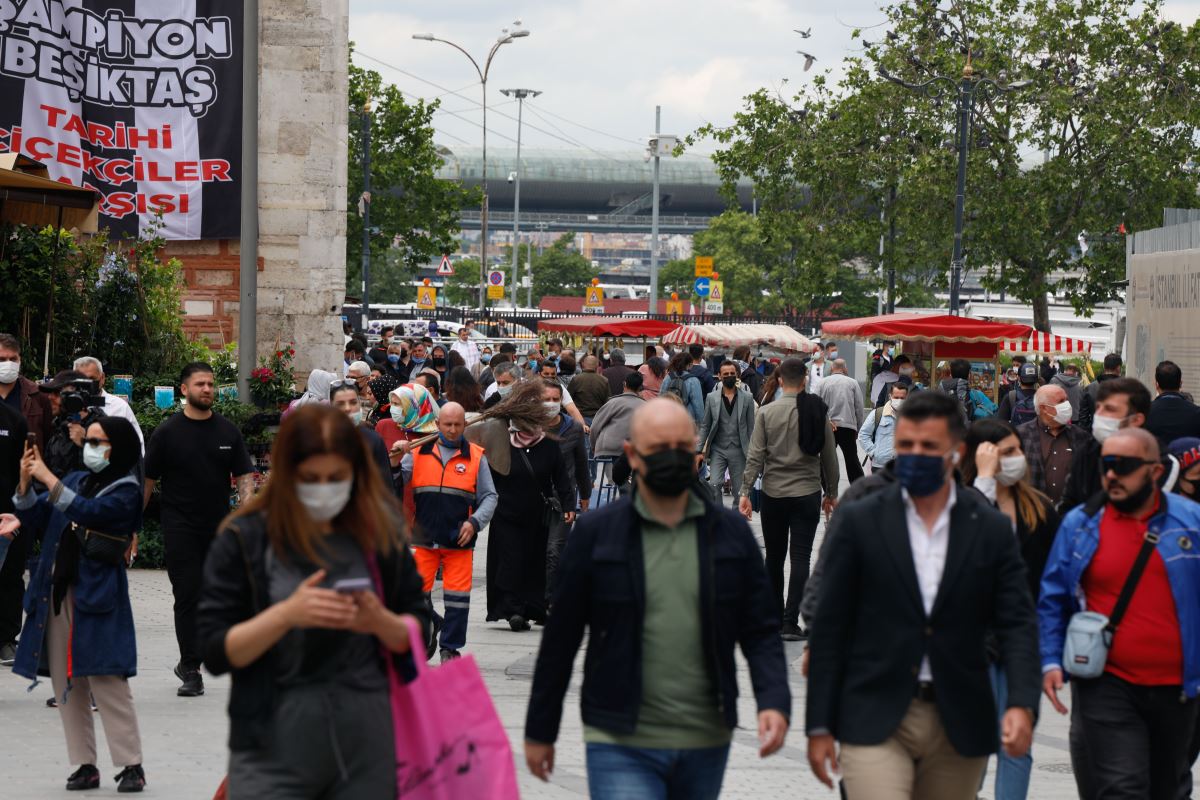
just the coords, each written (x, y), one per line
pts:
(674, 308)
(716, 292)
(427, 298)
(702, 286)
(140, 101)
(445, 268)
(713, 307)
(704, 266)
(595, 297)
(495, 292)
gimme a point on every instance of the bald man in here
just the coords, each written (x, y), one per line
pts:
(1050, 441)
(455, 499)
(667, 584)
(1138, 716)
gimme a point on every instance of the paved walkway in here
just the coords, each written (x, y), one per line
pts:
(184, 739)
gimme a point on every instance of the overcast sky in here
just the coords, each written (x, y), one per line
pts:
(604, 64)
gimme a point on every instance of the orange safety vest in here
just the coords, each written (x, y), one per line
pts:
(443, 493)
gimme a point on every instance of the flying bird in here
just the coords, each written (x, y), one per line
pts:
(803, 34)
(809, 60)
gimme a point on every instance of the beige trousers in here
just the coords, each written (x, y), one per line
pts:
(916, 763)
(112, 696)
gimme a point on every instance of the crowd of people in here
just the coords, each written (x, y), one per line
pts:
(974, 541)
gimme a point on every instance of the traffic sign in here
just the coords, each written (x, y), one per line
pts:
(704, 266)
(427, 297)
(495, 292)
(713, 308)
(445, 268)
(716, 292)
(674, 308)
(702, 286)
(496, 278)
(595, 297)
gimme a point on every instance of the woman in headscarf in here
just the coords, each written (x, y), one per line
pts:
(412, 414)
(381, 389)
(79, 620)
(317, 391)
(536, 478)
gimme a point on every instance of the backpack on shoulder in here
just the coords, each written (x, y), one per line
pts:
(677, 387)
(1023, 408)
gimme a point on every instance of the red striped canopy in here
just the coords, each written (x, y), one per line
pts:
(1048, 344)
(608, 326)
(908, 327)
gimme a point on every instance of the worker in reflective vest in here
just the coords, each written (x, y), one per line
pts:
(455, 499)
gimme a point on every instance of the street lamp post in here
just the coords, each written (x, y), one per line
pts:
(505, 37)
(366, 219)
(520, 94)
(965, 88)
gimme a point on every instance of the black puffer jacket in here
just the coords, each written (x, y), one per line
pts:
(235, 590)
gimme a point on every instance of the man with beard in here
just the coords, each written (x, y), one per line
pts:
(1128, 554)
(194, 453)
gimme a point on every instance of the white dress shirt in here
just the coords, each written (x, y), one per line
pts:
(468, 350)
(929, 555)
(117, 407)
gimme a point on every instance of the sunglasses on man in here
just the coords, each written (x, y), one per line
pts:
(1122, 465)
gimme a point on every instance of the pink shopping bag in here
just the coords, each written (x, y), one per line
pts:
(450, 744)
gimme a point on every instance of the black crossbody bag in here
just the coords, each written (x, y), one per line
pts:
(552, 510)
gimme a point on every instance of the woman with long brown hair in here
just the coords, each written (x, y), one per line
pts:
(305, 588)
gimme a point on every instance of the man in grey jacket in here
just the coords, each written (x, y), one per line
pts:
(610, 426)
(725, 430)
(844, 397)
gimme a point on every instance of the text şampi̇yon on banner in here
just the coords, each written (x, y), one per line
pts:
(143, 107)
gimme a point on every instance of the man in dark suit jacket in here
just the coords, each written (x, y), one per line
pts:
(918, 575)
(1172, 416)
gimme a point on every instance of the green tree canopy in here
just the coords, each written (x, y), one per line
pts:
(414, 215)
(559, 270)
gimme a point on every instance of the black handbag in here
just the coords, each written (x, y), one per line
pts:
(552, 510)
(106, 548)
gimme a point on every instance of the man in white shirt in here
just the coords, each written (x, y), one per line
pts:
(844, 397)
(114, 406)
(467, 349)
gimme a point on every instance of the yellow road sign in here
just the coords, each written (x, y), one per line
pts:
(427, 297)
(674, 307)
(495, 293)
(704, 266)
(716, 292)
(595, 297)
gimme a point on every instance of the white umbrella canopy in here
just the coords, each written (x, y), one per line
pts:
(780, 337)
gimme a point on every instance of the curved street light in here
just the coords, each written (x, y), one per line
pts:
(506, 36)
(966, 88)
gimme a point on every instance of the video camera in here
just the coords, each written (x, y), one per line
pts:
(82, 399)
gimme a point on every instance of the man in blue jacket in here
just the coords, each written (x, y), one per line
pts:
(1139, 715)
(666, 584)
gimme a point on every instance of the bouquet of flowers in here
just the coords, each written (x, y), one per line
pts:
(273, 383)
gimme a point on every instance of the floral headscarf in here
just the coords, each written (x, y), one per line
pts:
(413, 408)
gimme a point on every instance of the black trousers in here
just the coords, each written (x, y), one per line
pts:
(789, 525)
(12, 586)
(847, 440)
(185, 551)
(555, 545)
(1137, 738)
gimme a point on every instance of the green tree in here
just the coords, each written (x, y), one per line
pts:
(414, 215)
(559, 270)
(1104, 135)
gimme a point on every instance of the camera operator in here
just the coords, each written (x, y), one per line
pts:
(76, 403)
(113, 406)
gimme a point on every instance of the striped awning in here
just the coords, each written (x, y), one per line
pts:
(1048, 344)
(780, 337)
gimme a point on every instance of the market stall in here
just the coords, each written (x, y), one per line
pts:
(935, 337)
(1048, 344)
(581, 332)
(778, 337)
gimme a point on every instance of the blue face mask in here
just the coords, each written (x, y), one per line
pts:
(486, 358)
(454, 443)
(921, 475)
(418, 361)
(393, 358)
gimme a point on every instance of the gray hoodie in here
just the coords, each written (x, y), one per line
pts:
(1070, 385)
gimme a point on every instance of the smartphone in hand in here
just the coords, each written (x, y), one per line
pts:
(352, 585)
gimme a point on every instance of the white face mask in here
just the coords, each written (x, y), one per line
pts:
(95, 457)
(896, 403)
(324, 501)
(552, 407)
(357, 417)
(502, 390)
(1012, 469)
(1104, 427)
(9, 371)
(1062, 413)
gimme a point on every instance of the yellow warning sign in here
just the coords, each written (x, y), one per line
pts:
(716, 292)
(427, 297)
(595, 297)
(674, 308)
(495, 292)
(704, 266)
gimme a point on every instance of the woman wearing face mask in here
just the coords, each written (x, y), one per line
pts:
(412, 413)
(438, 359)
(309, 710)
(520, 529)
(79, 619)
(381, 389)
(996, 466)
(343, 397)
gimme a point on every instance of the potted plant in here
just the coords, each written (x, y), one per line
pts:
(272, 385)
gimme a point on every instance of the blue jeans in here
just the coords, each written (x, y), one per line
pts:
(1012, 774)
(616, 772)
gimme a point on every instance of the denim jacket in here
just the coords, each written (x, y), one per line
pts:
(879, 444)
(1177, 524)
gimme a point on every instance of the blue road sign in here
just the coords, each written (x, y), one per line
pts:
(702, 286)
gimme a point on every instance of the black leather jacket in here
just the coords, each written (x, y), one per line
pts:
(235, 590)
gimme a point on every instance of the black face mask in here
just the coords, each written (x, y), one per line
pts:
(669, 473)
(729, 381)
(1134, 501)
(439, 362)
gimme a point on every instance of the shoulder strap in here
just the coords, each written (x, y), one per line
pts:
(878, 417)
(1135, 575)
